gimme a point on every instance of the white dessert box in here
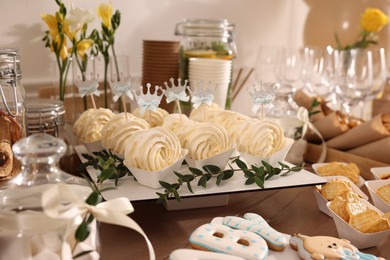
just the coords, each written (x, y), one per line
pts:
(380, 172)
(372, 186)
(151, 179)
(357, 238)
(273, 160)
(219, 160)
(315, 167)
(321, 201)
(93, 146)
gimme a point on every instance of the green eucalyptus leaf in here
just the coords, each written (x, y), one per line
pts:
(178, 174)
(211, 168)
(259, 182)
(195, 171)
(227, 174)
(219, 178)
(241, 164)
(250, 181)
(82, 232)
(203, 181)
(166, 185)
(189, 187)
(188, 178)
(177, 196)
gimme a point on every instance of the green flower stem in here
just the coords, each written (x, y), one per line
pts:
(118, 78)
(106, 60)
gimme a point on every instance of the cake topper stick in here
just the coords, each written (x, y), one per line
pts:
(121, 88)
(202, 94)
(262, 94)
(176, 93)
(88, 87)
(148, 101)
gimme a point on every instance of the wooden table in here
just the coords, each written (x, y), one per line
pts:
(289, 211)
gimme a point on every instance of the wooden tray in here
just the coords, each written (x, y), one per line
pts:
(313, 152)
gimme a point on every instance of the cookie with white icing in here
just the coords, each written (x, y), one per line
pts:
(192, 254)
(326, 247)
(222, 239)
(256, 224)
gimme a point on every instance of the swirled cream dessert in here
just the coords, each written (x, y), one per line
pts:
(88, 126)
(152, 149)
(118, 129)
(203, 140)
(175, 121)
(261, 138)
(156, 117)
(204, 112)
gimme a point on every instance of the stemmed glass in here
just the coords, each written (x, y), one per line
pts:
(360, 75)
(319, 67)
(290, 73)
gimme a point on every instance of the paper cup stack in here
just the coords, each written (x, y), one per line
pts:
(160, 63)
(216, 71)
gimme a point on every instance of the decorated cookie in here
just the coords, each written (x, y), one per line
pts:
(326, 247)
(192, 254)
(256, 224)
(222, 239)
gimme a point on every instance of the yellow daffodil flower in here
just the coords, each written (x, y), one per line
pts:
(373, 20)
(83, 46)
(104, 12)
(51, 22)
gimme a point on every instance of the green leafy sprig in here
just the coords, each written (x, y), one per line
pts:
(110, 166)
(253, 174)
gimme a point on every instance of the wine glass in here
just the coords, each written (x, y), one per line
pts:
(360, 75)
(319, 77)
(290, 74)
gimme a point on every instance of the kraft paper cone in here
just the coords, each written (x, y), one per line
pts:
(370, 131)
(329, 126)
(378, 150)
(304, 100)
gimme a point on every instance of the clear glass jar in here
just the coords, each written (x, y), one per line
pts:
(205, 38)
(12, 112)
(26, 231)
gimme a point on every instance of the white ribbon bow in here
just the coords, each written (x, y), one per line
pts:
(88, 87)
(112, 212)
(303, 115)
(198, 100)
(147, 105)
(258, 101)
(120, 88)
(172, 96)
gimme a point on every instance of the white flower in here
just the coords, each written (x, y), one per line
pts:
(79, 16)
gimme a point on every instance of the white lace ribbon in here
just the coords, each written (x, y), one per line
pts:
(112, 212)
(303, 115)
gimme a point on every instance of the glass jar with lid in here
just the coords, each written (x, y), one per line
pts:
(205, 38)
(27, 231)
(12, 112)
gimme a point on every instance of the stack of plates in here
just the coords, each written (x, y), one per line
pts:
(160, 63)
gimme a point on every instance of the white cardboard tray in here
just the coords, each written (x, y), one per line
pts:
(132, 190)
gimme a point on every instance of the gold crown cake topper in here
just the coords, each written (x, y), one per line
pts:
(203, 93)
(88, 86)
(262, 94)
(176, 92)
(149, 101)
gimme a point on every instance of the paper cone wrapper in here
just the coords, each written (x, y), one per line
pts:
(329, 127)
(304, 100)
(151, 178)
(219, 160)
(365, 133)
(274, 159)
(378, 150)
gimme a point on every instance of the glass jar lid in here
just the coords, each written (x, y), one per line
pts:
(205, 28)
(9, 63)
(39, 148)
(42, 114)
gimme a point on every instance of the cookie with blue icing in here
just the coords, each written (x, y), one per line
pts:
(222, 239)
(256, 224)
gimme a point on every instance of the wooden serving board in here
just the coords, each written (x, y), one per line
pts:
(313, 152)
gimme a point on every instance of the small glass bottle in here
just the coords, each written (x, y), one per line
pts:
(205, 38)
(26, 231)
